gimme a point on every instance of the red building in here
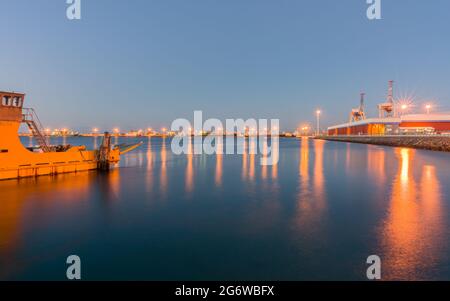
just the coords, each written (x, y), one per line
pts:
(407, 124)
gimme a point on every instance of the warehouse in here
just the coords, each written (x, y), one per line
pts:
(407, 124)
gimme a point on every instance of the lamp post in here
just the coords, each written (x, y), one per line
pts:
(318, 112)
(428, 107)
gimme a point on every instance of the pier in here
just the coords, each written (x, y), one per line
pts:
(428, 142)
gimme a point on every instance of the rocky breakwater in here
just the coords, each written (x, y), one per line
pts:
(435, 143)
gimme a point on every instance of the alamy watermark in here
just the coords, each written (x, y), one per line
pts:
(73, 11)
(374, 270)
(374, 10)
(212, 137)
(73, 272)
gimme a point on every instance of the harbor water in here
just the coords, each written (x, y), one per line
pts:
(317, 215)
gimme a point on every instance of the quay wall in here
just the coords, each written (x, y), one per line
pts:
(435, 143)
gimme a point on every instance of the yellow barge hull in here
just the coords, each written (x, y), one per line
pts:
(44, 168)
(18, 162)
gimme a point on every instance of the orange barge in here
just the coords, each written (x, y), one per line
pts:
(16, 161)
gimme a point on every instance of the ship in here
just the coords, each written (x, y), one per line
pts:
(18, 161)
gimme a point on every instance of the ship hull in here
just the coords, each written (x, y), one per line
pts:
(18, 162)
(32, 165)
(50, 169)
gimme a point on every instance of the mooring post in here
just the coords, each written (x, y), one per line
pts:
(105, 148)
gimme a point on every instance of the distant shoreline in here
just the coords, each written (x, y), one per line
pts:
(157, 136)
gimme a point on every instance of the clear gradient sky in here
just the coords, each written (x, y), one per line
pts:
(141, 63)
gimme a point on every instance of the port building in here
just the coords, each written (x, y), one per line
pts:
(390, 121)
(407, 124)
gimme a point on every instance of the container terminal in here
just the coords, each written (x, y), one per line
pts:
(393, 127)
(391, 121)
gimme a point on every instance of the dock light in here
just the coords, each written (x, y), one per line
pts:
(95, 130)
(428, 107)
(164, 130)
(116, 130)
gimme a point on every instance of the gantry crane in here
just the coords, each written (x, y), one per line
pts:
(358, 113)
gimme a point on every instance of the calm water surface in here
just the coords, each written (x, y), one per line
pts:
(317, 215)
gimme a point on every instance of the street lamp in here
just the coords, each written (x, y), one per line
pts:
(428, 107)
(403, 108)
(318, 112)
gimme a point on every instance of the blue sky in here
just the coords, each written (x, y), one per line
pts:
(142, 63)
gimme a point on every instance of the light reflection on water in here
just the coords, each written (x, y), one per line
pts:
(414, 223)
(316, 215)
